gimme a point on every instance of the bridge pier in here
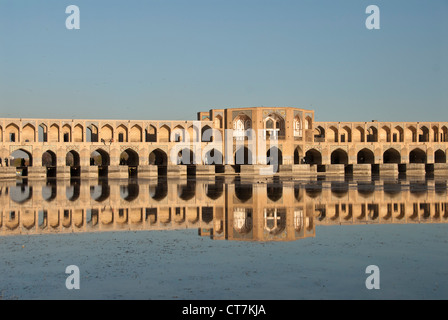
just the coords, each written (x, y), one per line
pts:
(338, 169)
(362, 169)
(8, 173)
(388, 169)
(118, 172)
(62, 172)
(441, 168)
(205, 170)
(415, 169)
(37, 172)
(176, 170)
(147, 171)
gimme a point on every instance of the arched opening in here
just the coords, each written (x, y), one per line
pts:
(424, 134)
(366, 156)
(339, 156)
(206, 134)
(159, 158)
(391, 156)
(274, 126)
(185, 157)
(136, 134)
(100, 158)
(346, 134)
(72, 160)
(298, 156)
(240, 124)
(313, 156)
(130, 158)
(213, 156)
(243, 156)
(319, 134)
(218, 121)
(151, 134)
(28, 133)
(417, 156)
(49, 161)
(372, 134)
(274, 157)
(297, 128)
(439, 156)
(21, 159)
(92, 133)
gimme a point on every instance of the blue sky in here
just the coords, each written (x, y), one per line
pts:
(170, 59)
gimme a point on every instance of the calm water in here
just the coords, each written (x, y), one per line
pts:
(225, 238)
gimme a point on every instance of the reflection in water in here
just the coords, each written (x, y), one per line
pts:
(271, 210)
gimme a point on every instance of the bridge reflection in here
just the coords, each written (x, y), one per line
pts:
(271, 210)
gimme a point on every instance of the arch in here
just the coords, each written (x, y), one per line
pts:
(78, 133)
(178, 134)
(92, 133)
(240, 124)
(136, 133)
(423, 134)
(99, 157)
(151, 134)
(444, 134)
(218, 121)
(206, 137)
(106, 133)
(385, 134)
(297, 126)
(129, 158)
(42, 133)
(21, 158)
(435, 134)
(417, 156)
(365, 156)
(213, 156)
(398, 134)
(274, 124)
(12, 133)
(411, 134)
(333, 134)
(158, 157)
(49, 159)
(319, 134)
(308, 123)
(439, 156)
(66, 133)
(359, 134)
(53, 135)
(185, 156)
(391, 156)
(29, 133)
(274, 156)
(193, 134)
(164, 134)
(298, 155)
(122, 132)
(346, 134)
(372, 134)
(243, 156)
(339, 156)
(313, 156)
(72, 159)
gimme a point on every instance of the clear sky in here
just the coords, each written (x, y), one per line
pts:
(169, 59)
